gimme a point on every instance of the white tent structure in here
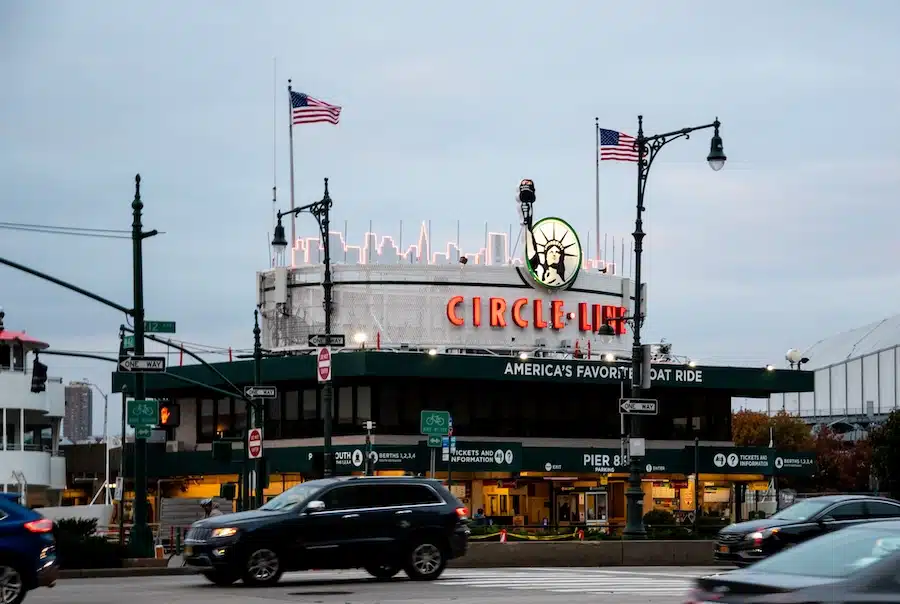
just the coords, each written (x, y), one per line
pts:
(856, 377)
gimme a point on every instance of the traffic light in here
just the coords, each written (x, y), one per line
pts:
(38, 376)
(169, 415)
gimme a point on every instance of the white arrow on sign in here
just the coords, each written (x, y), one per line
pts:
(261, 392)
(143, 364)
(648, 406)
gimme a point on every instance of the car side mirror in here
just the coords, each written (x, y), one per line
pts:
(826, 520)
(314, 506)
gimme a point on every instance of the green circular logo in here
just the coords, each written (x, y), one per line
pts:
(553, 253)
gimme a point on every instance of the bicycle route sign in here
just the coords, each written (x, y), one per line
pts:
(434, 423)
(142, 413)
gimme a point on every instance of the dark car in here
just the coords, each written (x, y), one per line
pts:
(383, 525)
(860, 564)
(27, 550)
(746, 542)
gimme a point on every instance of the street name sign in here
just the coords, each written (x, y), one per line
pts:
(320, 339)
(261, 392)
(323, 364)
(142, 413)
(128, 342)
(638, 406)
(254, 443)
(435, 423)
(143, 365)
(159, 326)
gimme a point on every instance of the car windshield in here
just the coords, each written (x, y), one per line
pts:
(834, 555)
(293, 496)
(802, 510)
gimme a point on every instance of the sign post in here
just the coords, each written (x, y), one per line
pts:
(254, 443)
(436, 425)
(142, 364)
(319, 340)
(323, 364)
(142, 413)
(638, 406)
(263, 392)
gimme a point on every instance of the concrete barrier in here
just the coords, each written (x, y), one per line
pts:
(585, 554)
(523, 554)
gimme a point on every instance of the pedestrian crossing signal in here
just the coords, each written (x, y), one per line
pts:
(169, 415)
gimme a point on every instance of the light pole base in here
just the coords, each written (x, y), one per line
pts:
(140, 541)
(634, 507)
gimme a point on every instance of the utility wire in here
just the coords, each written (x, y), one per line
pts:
(64, 228)
(55, 231)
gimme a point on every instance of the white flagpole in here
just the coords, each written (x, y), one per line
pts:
(291, 122)
(597, 188)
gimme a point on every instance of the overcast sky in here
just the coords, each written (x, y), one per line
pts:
(446, 107)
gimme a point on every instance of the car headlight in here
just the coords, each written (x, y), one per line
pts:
(224, 532)
(763, 534)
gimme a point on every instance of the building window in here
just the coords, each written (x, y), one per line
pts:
(240, 416)
(364, 403)
(4, 357)
(273, 419)
(310, 405)
(291, 406)
(207, 420)
(345, 405)
(18, 357)
(223, 416)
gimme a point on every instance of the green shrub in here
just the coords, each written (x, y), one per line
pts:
(660, 518)
(78, 546)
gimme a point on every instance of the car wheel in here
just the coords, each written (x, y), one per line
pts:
(426, 561)
(263, 567)
(383, 572)
(222, 578)
(12, 586)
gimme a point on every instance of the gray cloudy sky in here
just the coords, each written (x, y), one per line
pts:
(446, 107)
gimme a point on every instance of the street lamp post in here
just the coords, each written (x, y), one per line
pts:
(648, 147)
(320, 210)
(107, 497)
(141, 534)
(258, 420)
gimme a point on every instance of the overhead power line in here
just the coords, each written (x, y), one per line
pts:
(64, 230)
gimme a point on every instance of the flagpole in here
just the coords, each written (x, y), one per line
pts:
(291, 137)
(274, 152)
(597, 187)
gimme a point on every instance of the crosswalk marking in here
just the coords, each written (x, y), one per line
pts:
(589, 581)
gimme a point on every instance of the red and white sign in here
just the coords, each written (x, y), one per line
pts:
(254, 443)
(323, 364)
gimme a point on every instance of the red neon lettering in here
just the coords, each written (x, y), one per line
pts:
(556, 314)
(539, 321)
(454, 318)
(584, 320)
(498, 310)
(476, 311)
(517, 318)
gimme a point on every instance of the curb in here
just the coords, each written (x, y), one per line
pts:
(106, 573)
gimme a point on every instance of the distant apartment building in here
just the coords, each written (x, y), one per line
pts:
(79, 419)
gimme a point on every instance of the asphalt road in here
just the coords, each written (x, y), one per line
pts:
(647, 585)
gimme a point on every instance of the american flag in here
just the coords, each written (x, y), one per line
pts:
(307, 110)
(617, 146)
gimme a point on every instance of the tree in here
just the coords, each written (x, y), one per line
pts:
(885, 443)
(752, 429)
(841, 466)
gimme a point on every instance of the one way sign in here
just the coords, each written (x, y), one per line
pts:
(143, 364)
(267, 392)
(638, 406)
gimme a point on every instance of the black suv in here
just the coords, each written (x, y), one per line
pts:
(381, 524)
(746, 542)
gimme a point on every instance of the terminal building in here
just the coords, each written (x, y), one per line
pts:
(512, 348)
(30, 461)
